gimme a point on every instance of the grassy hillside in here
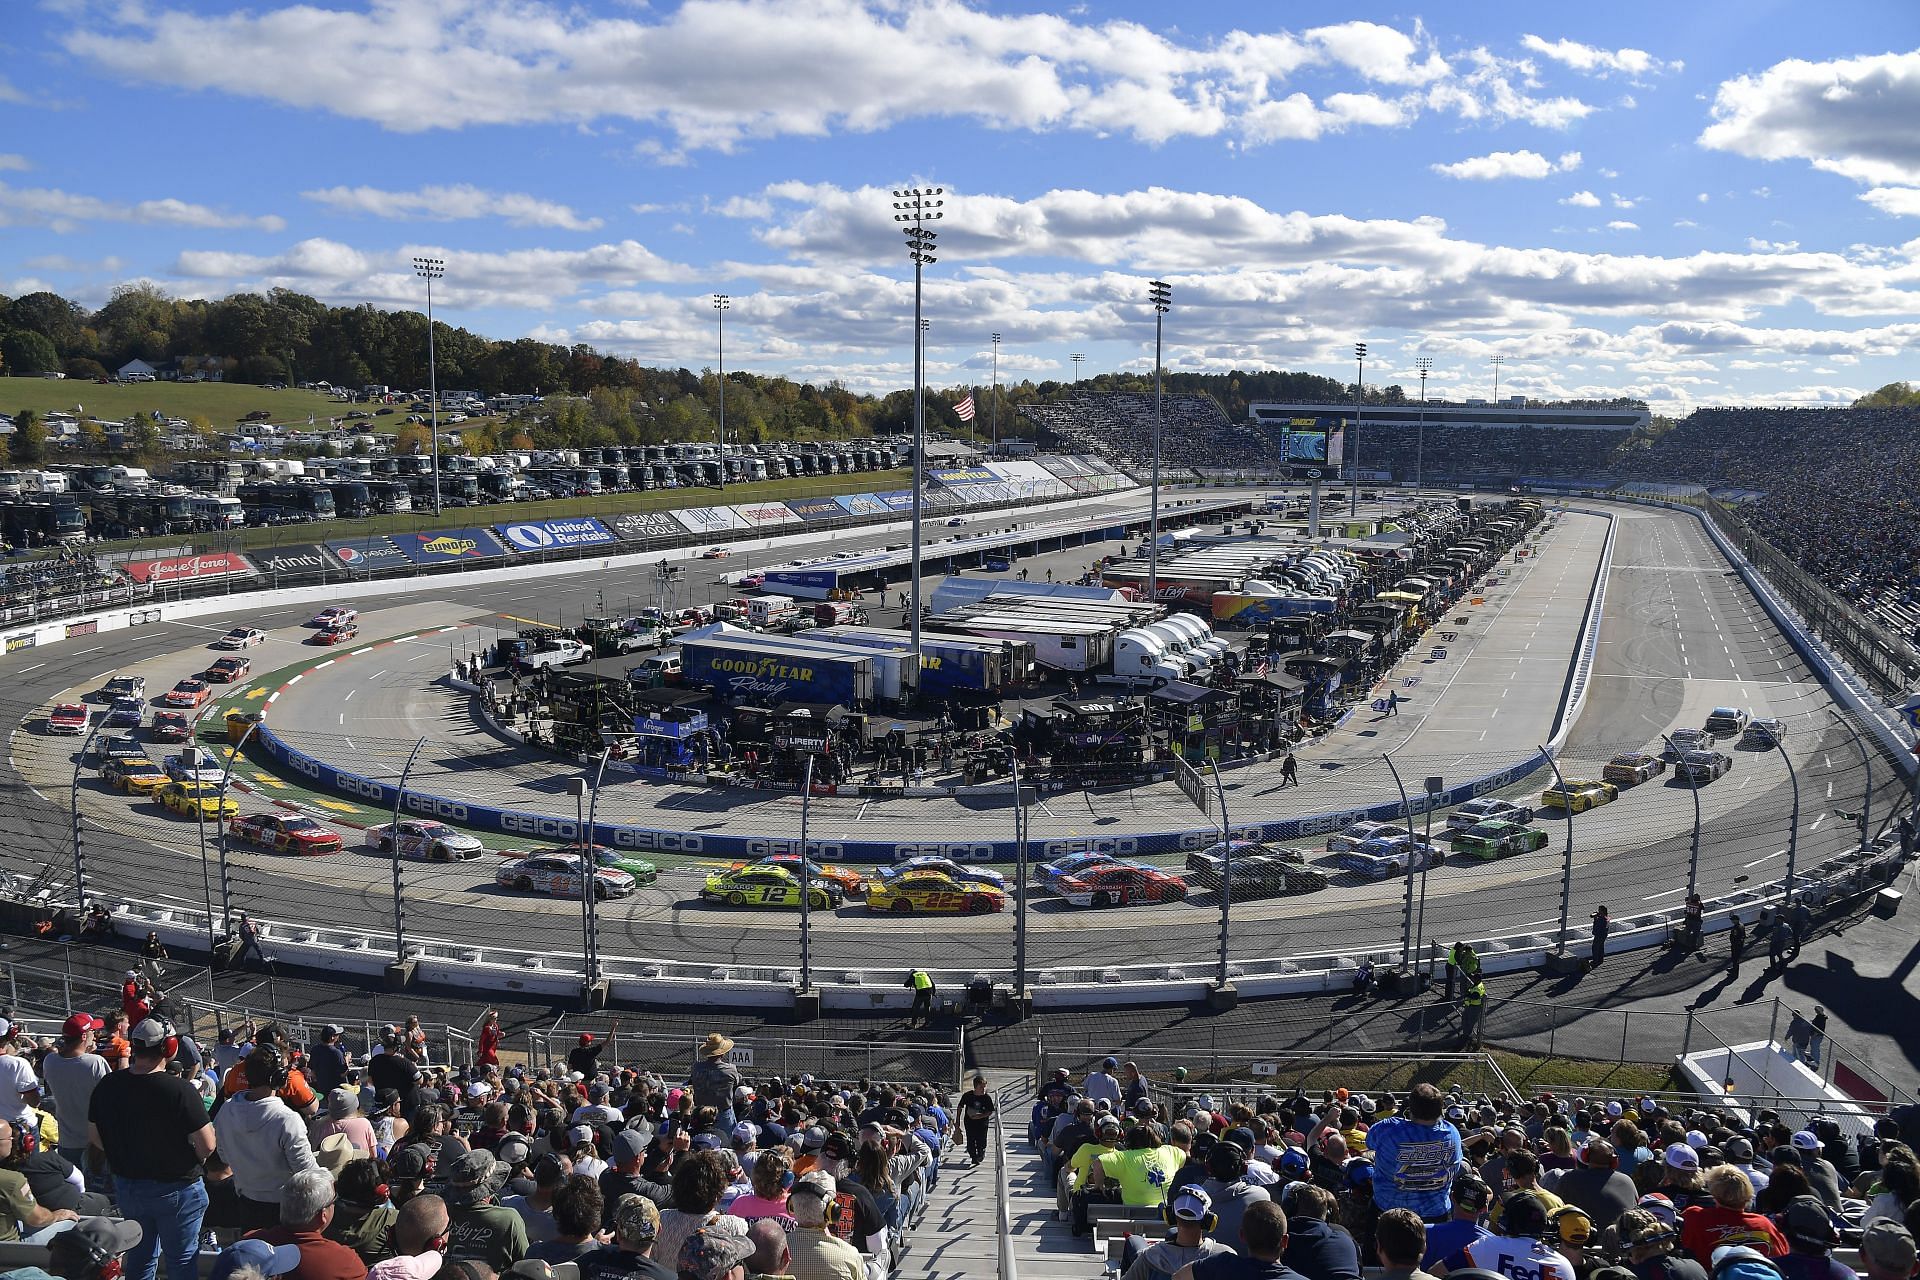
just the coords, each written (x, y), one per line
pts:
(222, 404)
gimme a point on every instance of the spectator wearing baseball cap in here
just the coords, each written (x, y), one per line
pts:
(1811, 1238)
(256, 1255)
(1190, 1210)
(71, 1072)
(1597, 1185)
(1651, 1240)
(718, 1251)
(622, 1176)
(631, 1254)
(1887, 1251)
(1680, 1178)
(1821, 1175)
(343, 1117)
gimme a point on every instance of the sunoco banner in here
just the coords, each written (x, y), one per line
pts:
(444, 546)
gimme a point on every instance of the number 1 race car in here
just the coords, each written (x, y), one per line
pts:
(934, 892)
(1120, 884)
(287, 833)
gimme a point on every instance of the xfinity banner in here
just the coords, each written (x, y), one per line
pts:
(646, 526)
(188, 568)
(553, 535)
(306, 558)
(364, 555)
(445, 546)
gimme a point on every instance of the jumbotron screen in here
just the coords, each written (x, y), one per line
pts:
(1315, 444)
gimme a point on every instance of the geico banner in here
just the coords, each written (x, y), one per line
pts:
(552, 535)
(515, 822)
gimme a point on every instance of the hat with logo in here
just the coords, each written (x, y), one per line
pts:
(267, 1259)
(1806, 1221)
(1682, 1156)
(1615, 1110)
(79, 1024)
(1191, 1204)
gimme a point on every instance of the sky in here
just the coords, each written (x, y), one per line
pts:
(1704, 203)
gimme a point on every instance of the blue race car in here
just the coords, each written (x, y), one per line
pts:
(956, 871)
(1072, 864)
(127, 713)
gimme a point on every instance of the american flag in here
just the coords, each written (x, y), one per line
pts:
(964, 410)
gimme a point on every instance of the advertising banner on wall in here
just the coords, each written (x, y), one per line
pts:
(811, 509)
(897, 499)
(553, 535)
(224, 564)
(304, 558)
(444, 546)
(709, 519)
(364, 555)
(646, 526)
(862, 504)
(763, 515)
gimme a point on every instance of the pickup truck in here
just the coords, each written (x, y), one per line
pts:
(564, 653)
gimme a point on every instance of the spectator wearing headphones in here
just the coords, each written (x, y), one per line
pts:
(1189, 1213)
(1573, 1232)
(91, 1249)
(1651, 1240)
(420, 1237)
(816, 1254)
(1523, 1174)
(1522, 1252)
(772, 1179)
(1317, 1246)
(22, 1216)
(261, 1138)
(1597, 1185)
(153, 1129)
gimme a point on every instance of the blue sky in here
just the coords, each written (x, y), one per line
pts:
(1697, 204)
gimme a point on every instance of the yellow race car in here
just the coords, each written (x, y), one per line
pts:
(197, 799)
(758, 885)
(1578, 795)
(933, 892)
(139, 776)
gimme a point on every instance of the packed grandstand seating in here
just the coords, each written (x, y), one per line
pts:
(71, 573)
(1837, 492)
(1118, 426)
(1488, 453)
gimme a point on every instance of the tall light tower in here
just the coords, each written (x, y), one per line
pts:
(993, 406)
(431, 269)
(916, 207)
(1359, 396)
(1425, 365)
(1496, 362)
(1077, 358)
(1160, 293)
(721, 304)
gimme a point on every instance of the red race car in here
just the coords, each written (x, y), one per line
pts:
(170, 726)
(1120, 884)
(287, 833)
(189, 693)
(227, 670)
(336, 634)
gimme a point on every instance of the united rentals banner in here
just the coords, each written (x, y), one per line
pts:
(553, 535)
(188, 568)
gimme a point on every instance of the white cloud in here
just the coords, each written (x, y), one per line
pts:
(1685, 222)
(1622, 225)
(1758, 245)
(1619, 201)
(452, 203)
(712, 74)
(1703, 197)
(752, 207)
(1899, 201)
(9, 161)
(65, 211)
(1851, 116)
(1585, 57)
(1582, 199)
(1507, 164)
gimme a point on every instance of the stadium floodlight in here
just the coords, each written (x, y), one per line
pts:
(1425, 365)
(1496, 362)
(721, 305)
(1160, 294)
(1359, 398)
(993, 406)
(1077, 359)
(431, 269)
(916, 207)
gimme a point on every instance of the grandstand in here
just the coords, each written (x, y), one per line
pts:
(1507, 443)
(1118, 427)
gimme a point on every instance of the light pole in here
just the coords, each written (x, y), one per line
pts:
(1359, 394)
(399, 916)
(1496, 362)
(806, 881)
(1406, 907)
(1866, 788)
(431, 269)
(1160, 293)
(1566, 865)
(226, 776)
(73, 804)
(1793, 827)
(1693, 857)
(1077, 359)
(1425, 365)
(1019, 891)
(916, 207)
(721, 302)
(993, 407)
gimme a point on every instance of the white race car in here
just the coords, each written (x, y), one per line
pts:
(424, 839)
(1361, 832)
(1488, 809)
(241, 638)
(333, 615)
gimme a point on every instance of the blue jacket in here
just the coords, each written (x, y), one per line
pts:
(1414, 1165)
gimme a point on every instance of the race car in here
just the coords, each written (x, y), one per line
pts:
(1255, 875)
(227, 670)
(1361, 832)
(1487, 809)
(642, 871)
(1631, 768)
(757, 885)
(715, 553)
(287, 833)
(110, 748)
(138, 776)
(195, 800)
(125, 687)
(933, 892)
(126, 713)
(749, 581)
(241, 638)
(1389, 855)
(1120, 884)
(201, 768)
(1764, 733)
(851, 884)
(558, 875)
(170, 726)
(424, 839)
(335, 634)
(1496, 838)
(947, 867)
(1701, 767)
(69, 717)
(1724, 720)
(188, 694)
(1681, 741)
(1072, 864)
(1578, 795)
(333, 615)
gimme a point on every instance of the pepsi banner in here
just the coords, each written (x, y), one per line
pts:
(811, 509)
(553, 535)
(446, 546)
(366, 555)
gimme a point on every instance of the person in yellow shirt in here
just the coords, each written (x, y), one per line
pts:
(1083, 1171)
(1523, 1174)
(1143, 1169)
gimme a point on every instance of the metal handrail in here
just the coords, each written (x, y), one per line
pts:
(1003, 1212)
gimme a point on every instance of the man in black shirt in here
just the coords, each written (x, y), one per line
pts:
(327, 1061)
(636, 1224)
(622, 1177)
(153, 1128)
(394, 1070)
(585, 1056)
(976, 1114)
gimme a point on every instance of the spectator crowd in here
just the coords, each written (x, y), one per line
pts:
(70, 576)
(123, 1147)
(1426, 1183)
